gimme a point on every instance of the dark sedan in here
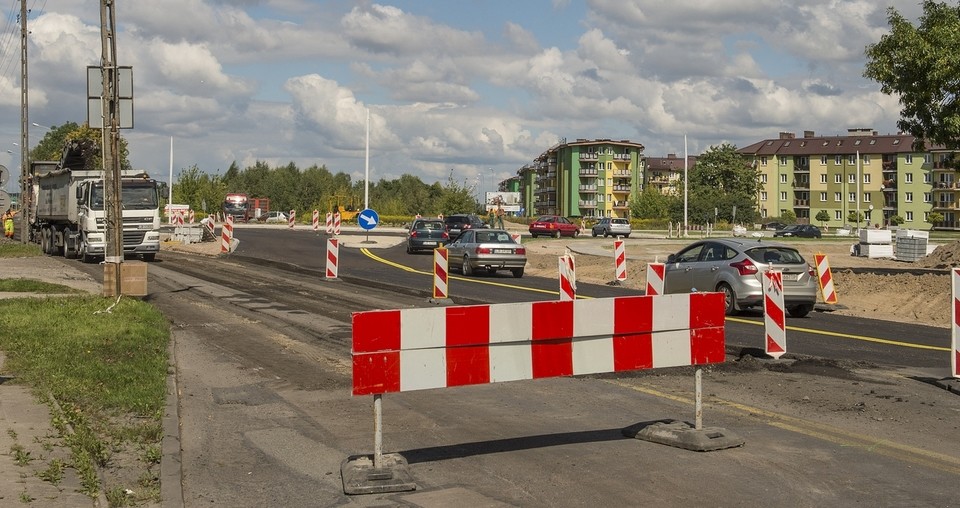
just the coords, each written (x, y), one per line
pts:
(426, 234)
(799, 231)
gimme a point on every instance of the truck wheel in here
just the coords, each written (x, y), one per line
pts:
(149, 258)
(69, 246)
(82, 250)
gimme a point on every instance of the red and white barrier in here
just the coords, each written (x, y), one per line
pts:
(333, 257)
(568, 278)
(336, 223)
(517, 237)
(440, 272)
(774, 319)
(226, 235)
(955, 340)
(620, 260)
(211, 224)
(293, 218)
(825, 277)
(438, 347)
(316, 221)
(179, 218)
(191, 216)
(655, 273)
(329, 223)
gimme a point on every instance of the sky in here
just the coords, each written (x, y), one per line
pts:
(464, 89)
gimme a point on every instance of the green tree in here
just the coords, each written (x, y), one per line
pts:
(651, 204)
(896, 220)
(720, 181)
(50, 147)
(823, 216)
(920, 64)
(934, 218)
(855, 217)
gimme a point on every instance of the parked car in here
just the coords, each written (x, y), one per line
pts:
(611, 226)
(488, 250)
(555, 226)
(735, 267)
(426, 234)
(774, 226)
(274, 216)
(799, 230)
(459, 222)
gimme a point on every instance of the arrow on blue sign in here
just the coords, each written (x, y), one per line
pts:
(368, 219)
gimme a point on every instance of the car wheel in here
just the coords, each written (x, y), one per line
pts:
(729, 298)
(466, 268)
(556, 234)
(533, 235)
(799, 311)
(606, 233)
(409, 250)
(517, 272)
(576, 233)
(626, 236)
(593, 232)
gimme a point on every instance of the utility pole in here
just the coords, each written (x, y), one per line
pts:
(26, 185)
(113, 256)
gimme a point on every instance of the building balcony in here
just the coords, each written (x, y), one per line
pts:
(946, 185)
(889, 165)
(801, 203)
(588, 189)
(943, 166)
(944, 205)
(801, 184)
(621, 156)
(588, 172)
(891, 207)
(588, 156)
(587, 204)
(620, 204)
(621, 188)
(622, 173)
(802, 169)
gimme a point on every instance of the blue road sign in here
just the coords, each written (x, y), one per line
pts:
(368, 219)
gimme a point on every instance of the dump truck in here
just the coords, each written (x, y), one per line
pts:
(70, 216)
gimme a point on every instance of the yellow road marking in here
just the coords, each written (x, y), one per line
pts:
(847, 336)
(819, 431)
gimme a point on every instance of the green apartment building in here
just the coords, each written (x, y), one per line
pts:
(880, 176)
(583, 179)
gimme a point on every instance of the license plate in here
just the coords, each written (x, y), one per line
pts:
(429, 243)
(502, 251)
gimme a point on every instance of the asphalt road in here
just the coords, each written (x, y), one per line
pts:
(264, 415)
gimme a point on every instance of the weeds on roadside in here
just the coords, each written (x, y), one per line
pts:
(21, 456)
(54, 472)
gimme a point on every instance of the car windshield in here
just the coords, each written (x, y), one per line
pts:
(493, 237)
(432, 225)
(774, 254)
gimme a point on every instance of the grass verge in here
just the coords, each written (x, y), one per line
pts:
(106, 373)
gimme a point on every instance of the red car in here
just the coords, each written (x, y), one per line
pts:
(555, 226)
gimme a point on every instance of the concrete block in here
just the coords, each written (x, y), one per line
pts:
(681, 435)
(360, 477)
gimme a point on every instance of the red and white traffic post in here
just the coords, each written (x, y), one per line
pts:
(293, 218)
(333, 257)
(226, 235)
(655, 273)
(955, 340)
(774, 323)
(825, 278)
(568, 278)
(440, 272)
(191, 216)
(316, 220)
(336, 224)
(620, 260)
(329, 223)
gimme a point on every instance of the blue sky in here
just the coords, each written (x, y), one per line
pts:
(477, 87)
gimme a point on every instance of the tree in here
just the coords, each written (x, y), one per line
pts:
(823, 216)
(920, 64)
(855, 216)
(720, 181)
(896, 220)
(934, 218)
(50, 147)
(651, 204)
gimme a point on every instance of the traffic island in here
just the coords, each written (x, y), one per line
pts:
(682, 435)
(361, 477)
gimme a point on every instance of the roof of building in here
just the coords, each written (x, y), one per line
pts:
(865, 141)
(669, 163)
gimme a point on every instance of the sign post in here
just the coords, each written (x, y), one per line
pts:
(368, 219)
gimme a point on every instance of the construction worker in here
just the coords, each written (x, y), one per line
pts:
(500, 215)
(8, 223)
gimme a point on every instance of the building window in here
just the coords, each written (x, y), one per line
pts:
(852, 159)
(909, 217)
(852, 197)
(927, 197)
(866, 178)
(804, 161)
(866, 197)
(837, 197)
(823, 160)
(908, 158)
(927, 178)
(823, 178)
(763, 160)
(852, 178)
(838, 178)
(783, 160)
(908, 197)
(866, 216)
(838, 160)
(927, 158)
(783, 178)
(823, 196)
(908, 177)
(763, 178)
(763, 196)
(837, 215)
(609, 165)
(866, 159)
(783, 196)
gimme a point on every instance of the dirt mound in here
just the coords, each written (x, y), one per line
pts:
(944, 256)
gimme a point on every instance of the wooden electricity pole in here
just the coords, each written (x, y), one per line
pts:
(113, 256)
(26, 185)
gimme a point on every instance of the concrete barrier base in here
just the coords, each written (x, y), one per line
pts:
(682, 435)
(360, 477)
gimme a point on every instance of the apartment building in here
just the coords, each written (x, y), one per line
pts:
(879, 176)
(584, 178)
(666, 173)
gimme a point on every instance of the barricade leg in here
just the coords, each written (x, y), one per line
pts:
(363, 474)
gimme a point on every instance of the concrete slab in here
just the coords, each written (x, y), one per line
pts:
(360, 477)
(682, 435)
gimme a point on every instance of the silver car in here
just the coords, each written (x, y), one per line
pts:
(486, 249)
(611, 226)
(735, 267)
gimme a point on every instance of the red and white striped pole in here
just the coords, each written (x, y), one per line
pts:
(191, 216)
(226, 235)
(316, 221)
(333, 257)
(774, 323)
(211, 224)
(620, 260)
(825, 277)
(440, 272)
(329, 223)
(655, 273)
(180, 218)
(336, 223)
(293, 218)
(568, 278)
(955, 340)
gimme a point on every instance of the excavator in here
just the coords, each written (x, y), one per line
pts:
(346, 213)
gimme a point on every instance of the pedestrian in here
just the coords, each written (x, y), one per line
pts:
(8, 223)
(491, 218)
(500, 216)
